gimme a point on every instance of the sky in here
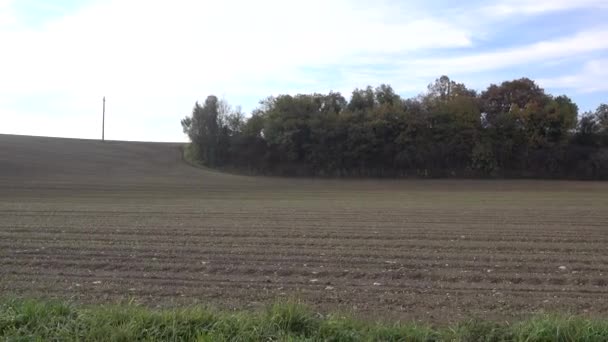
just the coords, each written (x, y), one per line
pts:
(153, 59)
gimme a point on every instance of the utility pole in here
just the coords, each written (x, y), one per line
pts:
(103, 122)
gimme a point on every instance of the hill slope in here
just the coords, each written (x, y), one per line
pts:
(25, 157)
(91, 164)
(103, 222)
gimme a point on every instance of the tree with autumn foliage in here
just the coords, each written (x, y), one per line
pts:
(514, 129)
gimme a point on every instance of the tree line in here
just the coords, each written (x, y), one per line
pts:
(514, 129)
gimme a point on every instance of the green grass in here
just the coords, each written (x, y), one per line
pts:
(32, 320)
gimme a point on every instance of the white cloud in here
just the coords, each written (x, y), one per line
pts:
(541, 52)
(7, 16)
(411, 75)
(531, 7)
(153, 59)
(152, 45)
(591, 78)
(145, 55)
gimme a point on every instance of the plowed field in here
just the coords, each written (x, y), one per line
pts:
(106, 222)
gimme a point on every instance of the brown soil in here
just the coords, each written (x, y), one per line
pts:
(106, 222)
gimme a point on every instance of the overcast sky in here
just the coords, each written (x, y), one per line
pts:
(154, 59)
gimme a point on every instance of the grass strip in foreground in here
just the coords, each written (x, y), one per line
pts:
(33, 320)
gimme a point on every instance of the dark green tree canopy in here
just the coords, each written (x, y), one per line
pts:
(514, 129)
